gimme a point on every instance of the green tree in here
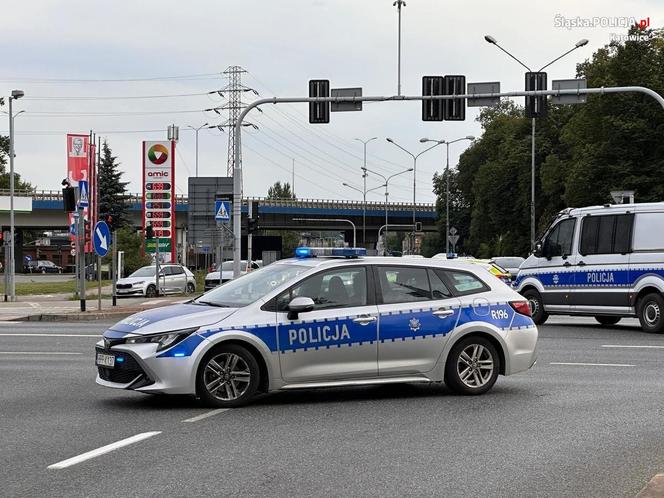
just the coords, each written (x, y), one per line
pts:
(131, 242)
(112, 190)
(280, 191)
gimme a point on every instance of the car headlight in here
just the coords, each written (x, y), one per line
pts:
(165, 340)
(138, 283)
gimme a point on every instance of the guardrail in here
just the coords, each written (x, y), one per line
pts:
(56, 195)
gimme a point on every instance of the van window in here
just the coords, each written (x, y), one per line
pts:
(559, 240)
(606, 234)
(648, 233)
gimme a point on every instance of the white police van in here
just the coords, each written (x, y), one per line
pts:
(602, 261)
(326, 322)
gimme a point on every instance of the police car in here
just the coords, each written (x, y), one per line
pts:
(316, 321)
(601, 261)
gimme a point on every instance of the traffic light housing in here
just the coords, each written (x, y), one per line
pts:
(69, 199)
(432, 110)
(536, 105)
(149, 232)
(454, 109)
(319, 112)
(252, 225)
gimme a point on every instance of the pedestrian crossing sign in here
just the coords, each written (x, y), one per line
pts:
(222, 211)
(83, 196)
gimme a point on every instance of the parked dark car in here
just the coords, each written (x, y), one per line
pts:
(41, 266)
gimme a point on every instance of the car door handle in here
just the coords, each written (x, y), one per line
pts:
(364, 319)
(581, 263)
(443, 313)
(566, 264)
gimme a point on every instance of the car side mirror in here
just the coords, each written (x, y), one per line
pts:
(299, 305)
(538, 252)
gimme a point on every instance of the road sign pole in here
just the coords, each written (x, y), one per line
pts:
(80, 235)
(99, 283)
(114, 265)
(156, 262)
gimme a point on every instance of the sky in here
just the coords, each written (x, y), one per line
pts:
(77, 63)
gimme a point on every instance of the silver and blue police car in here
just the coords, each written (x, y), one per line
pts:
(315, 321)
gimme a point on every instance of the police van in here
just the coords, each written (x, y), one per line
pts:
(602, 261)
(315, 321)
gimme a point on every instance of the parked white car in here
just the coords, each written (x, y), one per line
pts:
(225, 273)
(173, 279)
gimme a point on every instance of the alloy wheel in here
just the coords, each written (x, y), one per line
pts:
(475, 365)
(227, 376)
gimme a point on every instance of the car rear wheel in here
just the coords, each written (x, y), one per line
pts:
(536, 305)
(650, 310)
(472, 366)
(607, 320)
(151, 291)
(190, 288)
(227, 377)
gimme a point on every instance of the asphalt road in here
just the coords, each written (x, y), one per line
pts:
(558, 430)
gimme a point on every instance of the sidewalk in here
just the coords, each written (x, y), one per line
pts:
(52, 308)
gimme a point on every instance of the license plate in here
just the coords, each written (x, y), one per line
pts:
(105, 360)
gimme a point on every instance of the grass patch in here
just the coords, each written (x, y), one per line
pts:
(66, 287)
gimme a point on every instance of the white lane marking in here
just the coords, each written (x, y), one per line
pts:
(594, 364)
(48, 335)
(631, 346)
(34, 352)
(206, 415)
(103, 450)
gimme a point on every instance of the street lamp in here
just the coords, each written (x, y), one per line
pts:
(16, 94)
(447, 187)
(386, 185)
(414, 170)
(364, 193)
(581, 43)
(197, 130)
(398, 4)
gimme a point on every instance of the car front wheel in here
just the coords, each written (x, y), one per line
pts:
(650, 310)
(227, 377)
(151, 291)
(472, 366)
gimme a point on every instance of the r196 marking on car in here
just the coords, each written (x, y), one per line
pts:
(328, 322)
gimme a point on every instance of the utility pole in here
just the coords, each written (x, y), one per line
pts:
(196, 130)
(399, 4)
(16, 94)
(292, 187)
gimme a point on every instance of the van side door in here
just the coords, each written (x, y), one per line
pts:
(602, 265)
(555, 270)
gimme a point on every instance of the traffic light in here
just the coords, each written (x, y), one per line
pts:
(319, 112)
(149, 232)
(535, 106)
(432, 110)
(252, 225)
(69, 199)
(418, 226)
(454, 109)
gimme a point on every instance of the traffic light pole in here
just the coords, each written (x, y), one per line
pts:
(237, 170)
(114, 266)
(532, 190)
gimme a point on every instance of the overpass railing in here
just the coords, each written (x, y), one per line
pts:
(56, 195)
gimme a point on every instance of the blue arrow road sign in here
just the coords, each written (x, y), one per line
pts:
(222, 210)
(102, 238)
(83, 197)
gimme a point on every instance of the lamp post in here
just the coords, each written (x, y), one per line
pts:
(197, 130)
(414, 169)
(364, 194)
(398, 4)
(447, 187)
(581, 43)
(386, 185)
(16, 94)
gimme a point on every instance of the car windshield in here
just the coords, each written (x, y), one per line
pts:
(228, 265)
(146, 271)
(252, 286)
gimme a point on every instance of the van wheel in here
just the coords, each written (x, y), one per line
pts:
(650, 310)
(472, 366)
(536, 305)
(607, 320)
(227, 377)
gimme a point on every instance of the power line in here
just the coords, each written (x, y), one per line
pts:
(187, 77)
(125, 97)
(69, 114)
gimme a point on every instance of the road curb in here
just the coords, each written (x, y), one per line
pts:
(74, 317)
(654, 488)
